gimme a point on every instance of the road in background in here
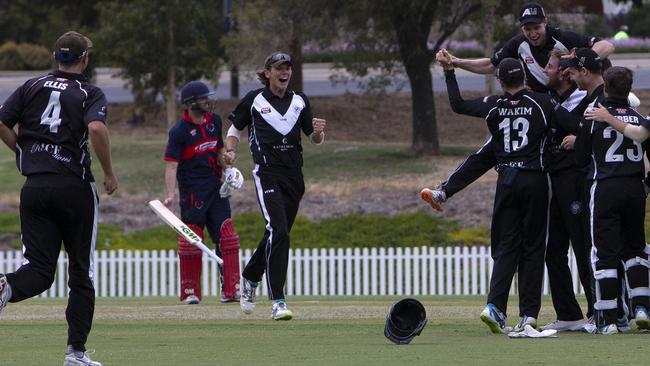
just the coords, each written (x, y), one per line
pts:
(316, 80)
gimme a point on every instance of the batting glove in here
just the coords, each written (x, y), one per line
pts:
(225, 190)
(233, 178)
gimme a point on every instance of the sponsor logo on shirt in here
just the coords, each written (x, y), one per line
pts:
(265, 110)
(529, 60)
(206, 146)
(269, 191)
(193, 132)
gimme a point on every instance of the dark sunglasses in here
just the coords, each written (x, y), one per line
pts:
(278, 56)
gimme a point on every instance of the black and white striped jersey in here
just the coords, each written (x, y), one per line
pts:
(519, 125)
(274, 125)
(534, 59)
(611, 153)
(53, 113)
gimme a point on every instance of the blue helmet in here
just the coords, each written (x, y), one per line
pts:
(195, 90)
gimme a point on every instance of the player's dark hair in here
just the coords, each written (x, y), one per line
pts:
(618, 81)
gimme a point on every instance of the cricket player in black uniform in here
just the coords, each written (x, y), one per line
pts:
(518, 123)
(617, 204)
(274, 116)
(532, 47)
(56, 114)
(567, 185)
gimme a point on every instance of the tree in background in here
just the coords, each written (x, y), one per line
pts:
(160, 45)
(265, 26)
(395, 35)
(42, 21)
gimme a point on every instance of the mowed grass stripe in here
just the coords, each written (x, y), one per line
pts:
(338, 331)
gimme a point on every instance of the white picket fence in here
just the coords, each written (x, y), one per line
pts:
(312, 272)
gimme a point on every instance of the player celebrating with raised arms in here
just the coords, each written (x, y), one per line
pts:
(274, 116)
(533, 47)
(194, 157)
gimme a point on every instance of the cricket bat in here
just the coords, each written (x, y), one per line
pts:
(170, 219)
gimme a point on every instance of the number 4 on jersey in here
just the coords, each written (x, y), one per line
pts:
(52, 112)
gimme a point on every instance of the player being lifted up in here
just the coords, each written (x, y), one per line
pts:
(518, 122)
(532, 47)
(617, 203)
(194, 156)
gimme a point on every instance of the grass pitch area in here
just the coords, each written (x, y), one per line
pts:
(332, 331)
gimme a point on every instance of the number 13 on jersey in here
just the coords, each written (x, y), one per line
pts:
(519, 125)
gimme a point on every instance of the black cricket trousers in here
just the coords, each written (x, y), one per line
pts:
(519, 237)
(567, 221)
(278, 194)
(55, 209)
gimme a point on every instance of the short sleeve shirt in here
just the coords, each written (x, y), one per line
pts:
(53, 112)
(534, 59)
(196, 147)
(274, 124)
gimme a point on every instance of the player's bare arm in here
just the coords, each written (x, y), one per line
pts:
(478, 66)
(232, 140)
(8, 136)
(635, 132)
(318, 136)
(170, 182)
(603, 48)
(101, 144)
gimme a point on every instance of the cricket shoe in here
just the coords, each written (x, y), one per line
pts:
(78, 358)
(565, 325)
(281, 311)
(494, 319)
(641, 317)
(224, 300)
(608, 329)
(5, 291)
(590, 326)
(433, 197)
(192, 300)
(525, 320)
(623, 324)
(247, 297)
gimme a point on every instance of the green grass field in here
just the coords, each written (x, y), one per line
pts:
(332, 331)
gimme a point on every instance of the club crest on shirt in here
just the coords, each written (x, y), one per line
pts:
(210, 127)
(265, 110)
(193, 132)
(296, 109)
(198, 204)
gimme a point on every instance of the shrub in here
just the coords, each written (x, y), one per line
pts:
(35, 57)
(10, 58)
(24, 57)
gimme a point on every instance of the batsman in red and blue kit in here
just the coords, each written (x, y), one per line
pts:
(194, 160)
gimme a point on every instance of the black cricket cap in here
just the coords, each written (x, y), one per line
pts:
(583, 57)
(277, 59)
(531, 13)
(71, 46)
(510, 71)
